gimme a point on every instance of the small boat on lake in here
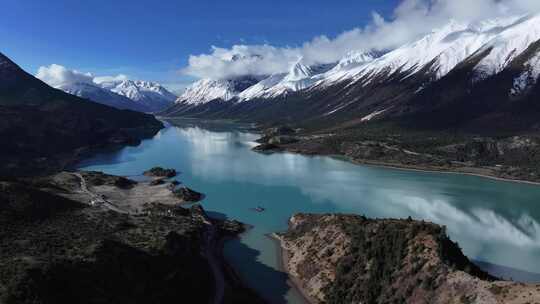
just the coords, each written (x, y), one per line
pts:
(259, 209)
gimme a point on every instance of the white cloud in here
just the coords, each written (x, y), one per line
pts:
(241, 60)
(102, 79)
(57, 75)
(410, 19)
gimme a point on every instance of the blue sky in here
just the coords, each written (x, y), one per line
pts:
(153, 39)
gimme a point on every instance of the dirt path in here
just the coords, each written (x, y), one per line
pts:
(97, 199)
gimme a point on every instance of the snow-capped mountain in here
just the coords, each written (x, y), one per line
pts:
(96, 93)
(141, 96)
(149, 95)
(206, 90)
(528, 77)
(446, 47)
(299, 77)
(446, 69)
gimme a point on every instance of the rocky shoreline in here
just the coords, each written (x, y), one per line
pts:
(294, 282)
(63, 234)
(349, 259)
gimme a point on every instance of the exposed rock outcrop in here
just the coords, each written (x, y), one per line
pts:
(267, 148)
(352, 259)
(188, 195)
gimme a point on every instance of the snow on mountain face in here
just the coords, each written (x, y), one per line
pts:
(100, 95)
(528, 77)
(302, 76)
(262, 88)
(298, 71)
(206, 90)
(356, 58)
(299, 77)
(508, 43)
(445, 48)
(148, 94)
(348, 66)
(139, 96)
(499, 41)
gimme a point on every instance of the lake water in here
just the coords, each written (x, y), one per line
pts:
(493, 221)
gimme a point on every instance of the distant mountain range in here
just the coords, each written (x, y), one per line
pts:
(150, 95)
(478, 77)
(44, 129)
(141, 96)
(101, 95)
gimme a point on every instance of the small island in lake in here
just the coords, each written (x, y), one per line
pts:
(161, 172)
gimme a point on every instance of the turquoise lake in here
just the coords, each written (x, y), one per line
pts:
(493, 221)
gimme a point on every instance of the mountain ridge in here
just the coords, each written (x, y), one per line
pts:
(120, 93)
(95, 93)
(387, 85)
(150, 95)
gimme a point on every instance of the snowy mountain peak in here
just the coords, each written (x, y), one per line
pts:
(507, 43)
(444, 48)
(349, 65)
(499, 41)
(206, 90)
(299, 77)
(298, 71)
(148, 94)
(356, 58)
(142, 96)
(101, 95)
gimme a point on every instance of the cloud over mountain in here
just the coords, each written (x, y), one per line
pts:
(57, 75)
(410, 20)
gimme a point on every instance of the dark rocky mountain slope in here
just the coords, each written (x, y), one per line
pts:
(42, 128)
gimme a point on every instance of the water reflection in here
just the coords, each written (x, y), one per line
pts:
(380, 192)
(493, 221)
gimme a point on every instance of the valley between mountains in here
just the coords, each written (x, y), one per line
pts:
(462, 98)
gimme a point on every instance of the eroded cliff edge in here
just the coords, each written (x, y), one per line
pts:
(352, 259)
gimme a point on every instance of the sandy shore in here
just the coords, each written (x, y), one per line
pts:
(283, 262)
